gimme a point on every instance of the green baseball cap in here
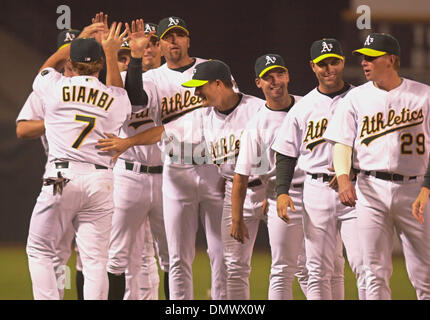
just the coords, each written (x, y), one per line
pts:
(326, 48)
(66, 36)
(85, 50)
(378, 44)
(267, 62)
(169, 23)
(208, 71)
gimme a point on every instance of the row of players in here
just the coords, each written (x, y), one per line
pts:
(245, 187)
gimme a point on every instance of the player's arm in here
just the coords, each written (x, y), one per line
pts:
(30, 129)
(421, 201)
(342, 166)
(111, 44)
(284, 175)
(119, 145)
(238, 229)
(138, 41)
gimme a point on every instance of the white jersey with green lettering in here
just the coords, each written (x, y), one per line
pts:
(219, 131)
(301, 134)
(388, 130)
(256, 157)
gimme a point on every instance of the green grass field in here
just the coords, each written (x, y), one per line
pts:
(15, 283)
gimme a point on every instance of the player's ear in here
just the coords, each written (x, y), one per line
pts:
(257, 82)
(312, 65)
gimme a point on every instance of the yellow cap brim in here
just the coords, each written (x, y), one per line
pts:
(369, 52)
(64, 45)
(194, 83)
(172, 27)
(270, 68)
(328, 55)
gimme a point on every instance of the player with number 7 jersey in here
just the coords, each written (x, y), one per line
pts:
(78, 189)
(81, 110)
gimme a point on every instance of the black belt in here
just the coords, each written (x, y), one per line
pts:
(255, 183)
(65, 165)
(325, 176)
(144, 169)
(388, 176)
(298, 185)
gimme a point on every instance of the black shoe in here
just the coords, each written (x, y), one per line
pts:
(166, 285)
(80, 284)
(116, 286)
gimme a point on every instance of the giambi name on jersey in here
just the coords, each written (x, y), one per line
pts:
(92, 96)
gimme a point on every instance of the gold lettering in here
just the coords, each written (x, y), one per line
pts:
(103, 99)
(81, 95)
(66, 94)
(92, 96)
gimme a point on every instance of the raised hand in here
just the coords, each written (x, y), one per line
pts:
(92, 31)
(103, 19)
(137, 38)
(112, 41)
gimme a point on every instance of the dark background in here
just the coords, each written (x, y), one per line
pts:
(236, 32)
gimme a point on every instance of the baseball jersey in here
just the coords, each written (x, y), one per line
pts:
(301, 133)
(220, 132)
(388, 130)
(171, 100)
(256, 156)
(141, 120)
(78, 111)
(33, 109)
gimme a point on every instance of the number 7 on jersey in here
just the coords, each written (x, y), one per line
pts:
(91, 123)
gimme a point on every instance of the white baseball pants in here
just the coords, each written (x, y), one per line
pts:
(383, 206)
(137, 196)
(190, 193)
(324, 218)
(87, 205)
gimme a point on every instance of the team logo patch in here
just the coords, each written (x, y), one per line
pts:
(69, 37)
(326, 47)
(149, 28)
(270, 60)
(368, 41)
(173, 22)
(44, 72)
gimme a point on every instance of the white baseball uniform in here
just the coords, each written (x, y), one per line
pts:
(300, 136)
(390, 136)
(34, 109)
(221, 134)
(78, 112)
(189, 191)
(286, 240)
(137, 196)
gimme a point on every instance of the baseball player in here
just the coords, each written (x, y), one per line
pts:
(219, 130)
(300, 137)
(160, 89)
(384, 122)
(30, 125)
(138, 201)
(256, 158)
(78, 189)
